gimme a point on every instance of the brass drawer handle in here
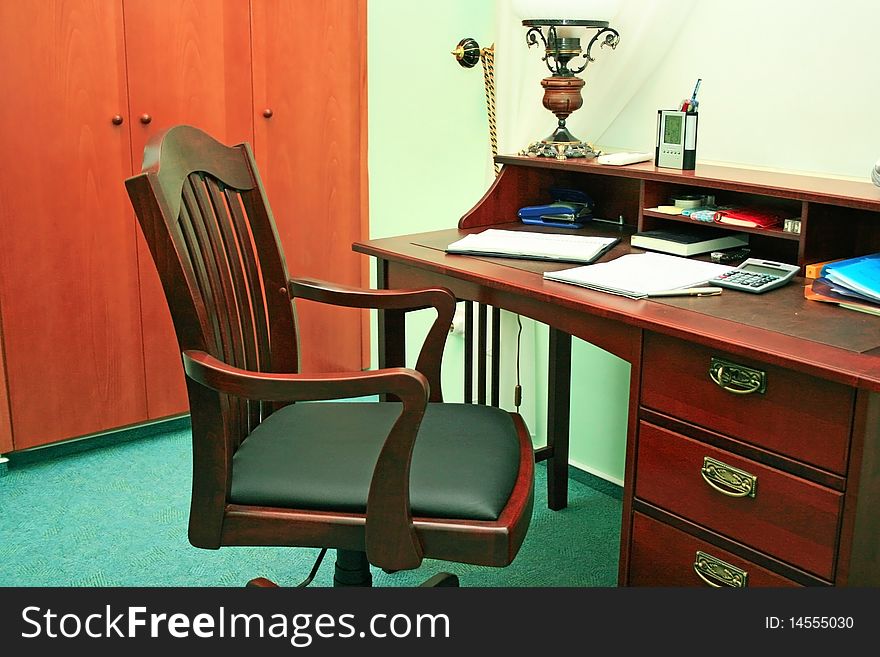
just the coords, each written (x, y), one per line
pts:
(736, 482)
(738, 379)
(718, 573)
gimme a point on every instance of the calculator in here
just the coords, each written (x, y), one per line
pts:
(756, 275)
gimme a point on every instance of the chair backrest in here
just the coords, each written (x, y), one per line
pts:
(204, 214)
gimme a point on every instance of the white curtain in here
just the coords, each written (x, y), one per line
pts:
(648, 28)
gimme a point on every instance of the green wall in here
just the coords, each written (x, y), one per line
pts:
(599, 398)
(429, 154)
(429, 163)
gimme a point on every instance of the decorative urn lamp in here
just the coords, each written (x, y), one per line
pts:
(562, 89)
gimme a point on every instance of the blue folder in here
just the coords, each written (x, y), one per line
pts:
(861, 275)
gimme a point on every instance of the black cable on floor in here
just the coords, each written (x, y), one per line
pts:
(308, 580)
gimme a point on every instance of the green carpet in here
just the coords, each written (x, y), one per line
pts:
(116, 515)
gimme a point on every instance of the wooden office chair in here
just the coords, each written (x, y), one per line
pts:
(384, 483)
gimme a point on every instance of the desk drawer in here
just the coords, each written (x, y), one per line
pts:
(788, 517)
(664, 556)
(797, 415)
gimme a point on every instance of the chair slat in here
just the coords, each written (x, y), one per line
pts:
(243, 322)
(256, 294)
(225, 311)
(281, 313)
(194, 252)
(239, 282)
(203, 214)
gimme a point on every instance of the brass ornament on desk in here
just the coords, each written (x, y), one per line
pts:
(562, 90)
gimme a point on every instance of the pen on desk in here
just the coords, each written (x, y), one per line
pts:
(688, 292)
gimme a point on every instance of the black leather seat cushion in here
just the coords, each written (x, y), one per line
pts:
(320, 456)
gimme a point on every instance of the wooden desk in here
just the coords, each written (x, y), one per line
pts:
(774, 488)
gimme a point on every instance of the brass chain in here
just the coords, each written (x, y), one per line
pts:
(487, 57)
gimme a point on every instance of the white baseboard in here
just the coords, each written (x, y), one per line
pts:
(596, 473)
(581, 466)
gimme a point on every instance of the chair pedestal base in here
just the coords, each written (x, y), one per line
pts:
(352, 569)
(261, 583)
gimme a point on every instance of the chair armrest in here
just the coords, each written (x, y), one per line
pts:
(441, 299)
(403, 383)
(356, 297)
(391, 541)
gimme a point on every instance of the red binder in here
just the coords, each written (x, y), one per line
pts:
(750, 217)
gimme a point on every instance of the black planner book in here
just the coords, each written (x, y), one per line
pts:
(688, 240)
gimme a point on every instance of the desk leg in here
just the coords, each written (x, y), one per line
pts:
(482, 349)
(468, 352)
(558, 416)
(496, 358)
(391, 328)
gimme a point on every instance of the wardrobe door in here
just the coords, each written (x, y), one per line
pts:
(310, 135)
(68, 257)
(188, 62)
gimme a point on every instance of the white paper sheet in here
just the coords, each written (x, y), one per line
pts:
(639, 274)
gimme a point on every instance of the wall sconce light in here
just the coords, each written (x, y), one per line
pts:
(562, 90)
(468, 53)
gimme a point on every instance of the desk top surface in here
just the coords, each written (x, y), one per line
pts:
(782, 324)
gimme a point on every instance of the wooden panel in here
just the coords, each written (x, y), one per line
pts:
(614, 197)
(860, 552)
(188, 62)
(312, 155)
(790, 518)
(514, 188)
(846, 193)
(68, 267)
(664, 556)
(799, 416)
(5, 419)
(825, 240)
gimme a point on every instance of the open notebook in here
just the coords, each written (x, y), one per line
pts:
(638, 275)
(533, 246)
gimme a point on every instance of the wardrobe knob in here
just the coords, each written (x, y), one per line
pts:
(267, 113)
(146, 118)
(117, 119)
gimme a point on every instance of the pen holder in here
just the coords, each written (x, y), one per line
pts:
(676, 139)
